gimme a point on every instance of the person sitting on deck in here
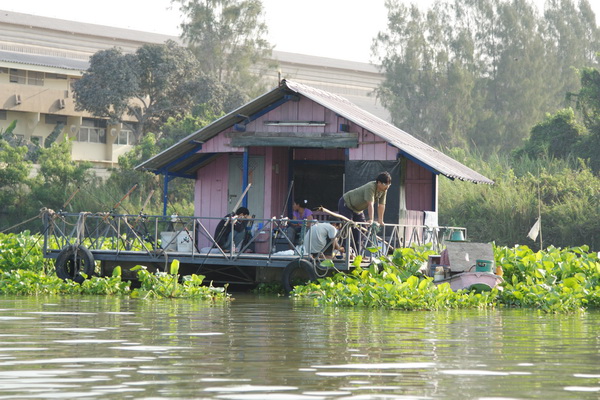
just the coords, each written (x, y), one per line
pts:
(300, 213)
(322, 239)
(238, 221)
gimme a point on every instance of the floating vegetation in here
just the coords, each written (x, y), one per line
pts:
(395, 283)
(554, 280)
(24, 271)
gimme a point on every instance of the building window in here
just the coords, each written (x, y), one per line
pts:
(125, 137)
(55, 76)
(3, 114)
(18, 76)
(23, 77)
(35, 78)
(92, 131)
(51, 119)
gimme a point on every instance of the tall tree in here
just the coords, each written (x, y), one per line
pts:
(155, 83)
(479, 73)
(228, 37)
(14, 173)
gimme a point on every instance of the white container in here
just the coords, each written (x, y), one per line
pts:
(167, 241)
(184, 242)
(439, 274)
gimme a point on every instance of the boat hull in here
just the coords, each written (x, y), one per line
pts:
(481, 281)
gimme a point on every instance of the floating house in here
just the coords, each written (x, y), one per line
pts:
(292, 142)
(311, 143)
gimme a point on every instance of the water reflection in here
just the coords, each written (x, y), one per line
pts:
(274, 348)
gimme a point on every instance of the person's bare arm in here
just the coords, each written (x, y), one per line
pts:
(380, 212)
(371, 211)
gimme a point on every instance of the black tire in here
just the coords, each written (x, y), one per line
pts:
(72, 260)
(298, 272)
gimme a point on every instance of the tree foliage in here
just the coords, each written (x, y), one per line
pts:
(14, 177)
(155, 83)
(565, 191)
(558, 136)
(24, 192)
(229, 38)
(479, 74)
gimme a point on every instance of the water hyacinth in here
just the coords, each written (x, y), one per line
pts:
(554, 280)
(395, 283)
(24, 271)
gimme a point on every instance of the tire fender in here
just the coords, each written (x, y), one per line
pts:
(296, 268)
(72, 260)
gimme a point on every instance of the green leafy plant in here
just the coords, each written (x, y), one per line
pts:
(167, 285)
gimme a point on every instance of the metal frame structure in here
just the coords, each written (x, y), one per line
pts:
(119, 239)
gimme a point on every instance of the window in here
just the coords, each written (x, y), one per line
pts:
(18, 76)
(92, 131)
(3, 114)
(52, 119)
(55, 76)
(125, 137)
(35, 78)
(23, 77)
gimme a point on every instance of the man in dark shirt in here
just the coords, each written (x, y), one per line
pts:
(238, 222)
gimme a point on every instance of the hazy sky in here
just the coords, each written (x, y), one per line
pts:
(341, 29)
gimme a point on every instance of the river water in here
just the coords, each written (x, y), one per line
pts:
(276, 348)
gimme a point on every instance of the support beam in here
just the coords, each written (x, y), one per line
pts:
(296, 139)
(245, 170)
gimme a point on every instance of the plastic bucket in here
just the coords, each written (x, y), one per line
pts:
(457, 236)
(184, 242)
(167, 241)
(483, 265)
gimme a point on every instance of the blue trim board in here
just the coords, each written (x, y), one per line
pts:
(417, 161)
(241, 127)
(245, 169)
(184, 157)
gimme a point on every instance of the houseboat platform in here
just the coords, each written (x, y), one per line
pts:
(78, 242)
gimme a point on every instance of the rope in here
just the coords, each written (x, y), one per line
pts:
(81, 226)
(42, 212)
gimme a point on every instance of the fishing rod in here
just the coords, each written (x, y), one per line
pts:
(123, 198)
(287, 199)
(112, 210)
(71, 198)
(283, 212)
(43, 211)
(141, 218)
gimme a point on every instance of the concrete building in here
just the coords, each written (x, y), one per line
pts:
(41, 57)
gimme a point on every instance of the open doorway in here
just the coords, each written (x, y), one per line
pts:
(321, 183)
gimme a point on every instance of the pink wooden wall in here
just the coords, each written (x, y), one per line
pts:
(371, 147)
(420, 187)
(276, 182)
(211, 194)
(211, 185)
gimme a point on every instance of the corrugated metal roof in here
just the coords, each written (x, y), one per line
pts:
(45, 61)
(82, 28)
(181, 158)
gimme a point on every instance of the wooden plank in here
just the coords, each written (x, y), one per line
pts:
(296, 139)
(463, 255)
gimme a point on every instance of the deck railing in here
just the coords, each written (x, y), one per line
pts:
(194, 236)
